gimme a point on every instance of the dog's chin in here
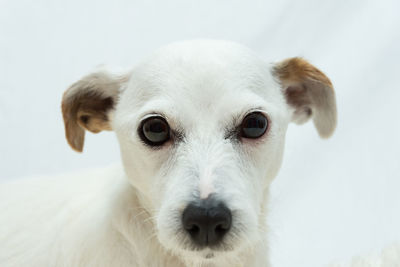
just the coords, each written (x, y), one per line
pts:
(204, 256)
(207, 252)
(194, 255)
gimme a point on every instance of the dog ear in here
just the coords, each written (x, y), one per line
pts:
(86, 105)
(309, 92)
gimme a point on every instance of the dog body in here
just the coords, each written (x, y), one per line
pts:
(201, 127)
(83, 219)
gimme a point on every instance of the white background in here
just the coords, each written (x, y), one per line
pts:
(332, 199)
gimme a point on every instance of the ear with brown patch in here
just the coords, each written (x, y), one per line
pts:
(309, 92)
(86, 105)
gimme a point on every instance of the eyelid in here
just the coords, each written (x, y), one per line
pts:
(153, 114)
(261, 110)
(148, 115)
(173, 124)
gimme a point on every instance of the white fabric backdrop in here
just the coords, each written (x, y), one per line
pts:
(332, 199)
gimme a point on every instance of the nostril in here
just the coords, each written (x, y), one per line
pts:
(193, 229)
(222, 224)
(221, 229)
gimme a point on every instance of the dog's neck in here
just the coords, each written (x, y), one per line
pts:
(133, 220)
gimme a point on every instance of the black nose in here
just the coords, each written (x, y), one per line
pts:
(207, 221)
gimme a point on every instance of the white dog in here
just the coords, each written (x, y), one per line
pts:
(201, 127)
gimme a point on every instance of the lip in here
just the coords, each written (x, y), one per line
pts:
(209, 255)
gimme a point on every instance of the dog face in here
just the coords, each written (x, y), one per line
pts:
(201, 127)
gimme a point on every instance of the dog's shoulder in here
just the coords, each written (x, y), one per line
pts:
(44, 218)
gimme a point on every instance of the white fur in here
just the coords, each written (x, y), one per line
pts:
(131, 215)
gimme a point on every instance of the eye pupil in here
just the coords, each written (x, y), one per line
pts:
(254, 125)
(154, 131)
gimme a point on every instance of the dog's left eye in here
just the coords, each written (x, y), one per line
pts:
(154, 131)
(254, 125)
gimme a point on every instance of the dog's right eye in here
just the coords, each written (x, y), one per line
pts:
(154, 131)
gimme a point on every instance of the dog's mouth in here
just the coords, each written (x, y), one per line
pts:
(209, 255)
(210, 249)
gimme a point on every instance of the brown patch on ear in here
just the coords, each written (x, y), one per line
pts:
(86, 104)
(296, 70)
(310, 92)
(92, 114)
(85, 111)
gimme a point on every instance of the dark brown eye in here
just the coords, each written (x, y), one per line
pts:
(154, 131)
(254, 125)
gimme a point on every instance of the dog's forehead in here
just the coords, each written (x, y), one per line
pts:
(202, 78)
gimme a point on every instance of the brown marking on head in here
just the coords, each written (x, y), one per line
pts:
(86, 105)
(310, 92)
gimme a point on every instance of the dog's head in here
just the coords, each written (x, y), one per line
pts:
(201, 126)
